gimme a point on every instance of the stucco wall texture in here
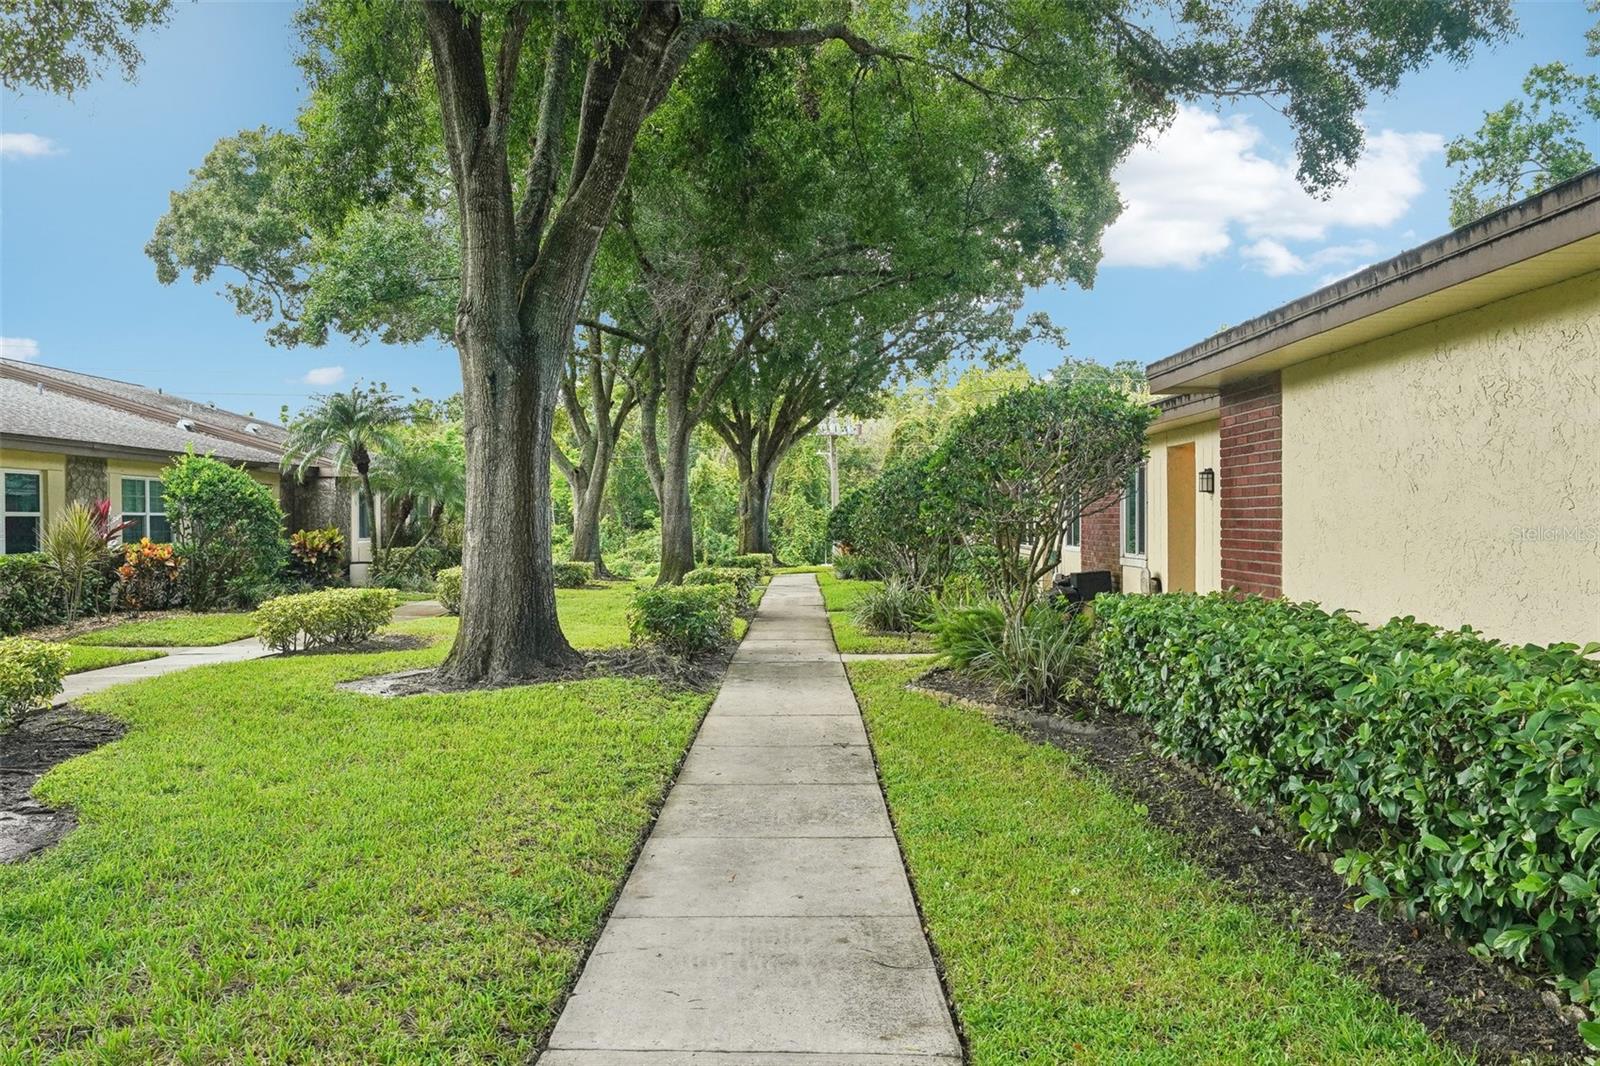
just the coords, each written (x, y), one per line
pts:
(1207, 513)
(1452, 472)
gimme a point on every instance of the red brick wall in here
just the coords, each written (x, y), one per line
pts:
(1251, 483)
(1100, 532)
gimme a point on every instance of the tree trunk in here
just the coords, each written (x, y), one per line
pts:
(508, 626)
(755, 507)
(677, 517)
(586, 508)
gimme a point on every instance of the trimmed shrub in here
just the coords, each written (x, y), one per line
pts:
(1044, 658)
(1454, 774)
(573, 575)
(30, 676)
(320, 619)
(896, 606)
(227, 529)
(682, 619)
(742, 579)
(30, 593)
(447, 586)
(317, 556)
(149, 575)
(760, 562)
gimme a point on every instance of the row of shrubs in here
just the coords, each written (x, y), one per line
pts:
(697, 616)
(1453, 774)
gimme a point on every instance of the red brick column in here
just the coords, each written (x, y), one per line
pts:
(1251, 477)
(1100, 534)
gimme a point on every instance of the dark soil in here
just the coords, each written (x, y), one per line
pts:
(699, 674)
(42, 740)
(1496, 1013)
(382, 642)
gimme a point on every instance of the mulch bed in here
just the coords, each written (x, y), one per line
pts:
(27, 751)
(1488, 1009)
(699, 674)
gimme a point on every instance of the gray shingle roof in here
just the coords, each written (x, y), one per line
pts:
(29, 410)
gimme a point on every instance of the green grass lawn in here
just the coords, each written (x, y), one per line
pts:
(1070, 928)
(839, 596)
(174, 631)
(269, 870)
(81, 657)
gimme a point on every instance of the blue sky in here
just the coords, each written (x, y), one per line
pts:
(1215, 231)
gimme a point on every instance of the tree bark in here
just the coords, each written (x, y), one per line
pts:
(587, 506)
(755, 507)
(677, 518)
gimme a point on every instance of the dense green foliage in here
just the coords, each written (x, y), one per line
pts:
(760, 562)
(325, 618)
(316, 556)
(30, 674)
(743, 579)
(1452, 773)
(29, 595)
(1072, 930)
(266, 868)
(572, 575)
(683, 619)
(227, 531)
(447, 586)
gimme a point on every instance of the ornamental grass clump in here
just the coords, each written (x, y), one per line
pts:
(1045, 658)
(30, 676)
(683, 619)
(1452, 774)
(896, 606)
(326, 618)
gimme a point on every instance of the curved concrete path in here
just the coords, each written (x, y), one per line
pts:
(769, 919)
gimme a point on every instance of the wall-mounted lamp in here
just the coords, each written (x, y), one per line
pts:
(1208, 480)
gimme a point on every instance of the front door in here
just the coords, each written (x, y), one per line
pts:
(1180, 518)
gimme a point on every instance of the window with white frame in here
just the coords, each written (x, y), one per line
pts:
(144, 510)
(23, 523)
(1073, 536)
(1133, 512)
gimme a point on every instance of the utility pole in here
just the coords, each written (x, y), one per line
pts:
(831, 430)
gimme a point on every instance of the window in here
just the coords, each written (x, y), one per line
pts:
(1073, 536)
(24, 512)
(144, 510)
(1133, 508)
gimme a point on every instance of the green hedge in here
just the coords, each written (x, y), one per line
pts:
(30, 676)
(447, 586)
(742, 579)
(760, 562)
(1454, 774)
(571, 575)
(30, 594)
(683, 619)
(320, 619)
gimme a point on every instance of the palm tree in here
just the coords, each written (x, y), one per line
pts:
(412, 470)
(346, 427)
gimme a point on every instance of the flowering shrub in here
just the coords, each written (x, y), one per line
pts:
(30, 675)
(317, 555)
(149, 574)
(447, 586)
(318, 619)
(682, 619)
(1455, 774)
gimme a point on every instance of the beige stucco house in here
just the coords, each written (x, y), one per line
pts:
(1420, 438)
(67, 438)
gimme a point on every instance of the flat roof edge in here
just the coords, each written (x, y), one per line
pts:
(1561, 215)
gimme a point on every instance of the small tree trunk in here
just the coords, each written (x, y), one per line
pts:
(677, 519)
(587, 506)
(755, 510)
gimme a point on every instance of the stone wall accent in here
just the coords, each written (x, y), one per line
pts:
(87, 482)
(1251, 484)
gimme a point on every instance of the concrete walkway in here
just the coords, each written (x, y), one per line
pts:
(81, 684)
(768, 920)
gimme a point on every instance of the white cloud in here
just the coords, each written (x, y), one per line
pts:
(1208, 181)
(26, 146)
(23, 348)
(324, 375)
